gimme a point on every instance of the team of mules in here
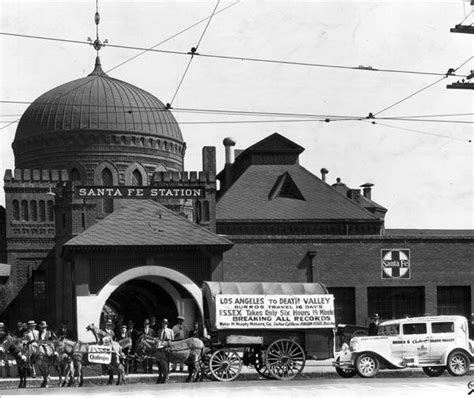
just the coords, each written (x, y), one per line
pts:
(69, 357)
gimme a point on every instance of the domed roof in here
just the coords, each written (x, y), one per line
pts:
(98, 102)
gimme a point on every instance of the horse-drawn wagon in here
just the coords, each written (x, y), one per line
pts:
(273, 327)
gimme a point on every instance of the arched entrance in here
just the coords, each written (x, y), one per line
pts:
(143, 289)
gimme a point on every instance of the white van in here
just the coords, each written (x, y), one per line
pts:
(434, 343)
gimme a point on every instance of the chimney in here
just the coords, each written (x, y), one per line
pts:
(367, 190)
(354, 194)
(229, 144)
(340, 186)
(323, 174)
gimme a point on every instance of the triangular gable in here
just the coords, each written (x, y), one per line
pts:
(285, 187)
(276, 143)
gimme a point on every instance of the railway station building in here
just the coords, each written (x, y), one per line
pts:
(146, 247)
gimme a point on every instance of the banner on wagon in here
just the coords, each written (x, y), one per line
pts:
(255, 311)
(100, 354)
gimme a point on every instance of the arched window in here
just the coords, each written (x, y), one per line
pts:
(107, 181)
(16, 210)
(42, 210)
(137, 180)
(75, 175)
(33, 210)
(205, 211)
(50, 210)
(24, 210)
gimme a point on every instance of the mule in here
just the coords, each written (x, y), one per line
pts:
(14, 346)
(117, 355)
(188, 351)
(45, 356)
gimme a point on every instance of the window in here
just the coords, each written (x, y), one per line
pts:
(396, 302)
(414, 328)
(34, 210)
(75, 175)
(454, 300)
(442, 327)
(137, 180)
(50, 210)
(24, 210)
(389, 330)
(344, 304)
(107, 181)
(16, 210)
(42, 210)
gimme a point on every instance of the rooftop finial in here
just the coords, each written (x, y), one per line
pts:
(97, 44)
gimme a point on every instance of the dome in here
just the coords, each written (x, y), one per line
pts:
(98, 102)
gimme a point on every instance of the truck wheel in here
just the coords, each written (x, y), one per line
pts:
(458, 363)
(346, 373)
(367, 365)
(434, 371)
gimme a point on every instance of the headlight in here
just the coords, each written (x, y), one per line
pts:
(354, 346)
(345, 347)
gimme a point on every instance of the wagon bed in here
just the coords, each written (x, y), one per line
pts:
(277, 345)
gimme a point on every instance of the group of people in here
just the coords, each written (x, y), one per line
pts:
(30, 331)
(151, 328)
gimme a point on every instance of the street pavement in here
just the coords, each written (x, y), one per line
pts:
(318, 379)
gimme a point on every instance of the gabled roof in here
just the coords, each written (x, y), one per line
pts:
(248, 198)
(275, 143)
(146, 223)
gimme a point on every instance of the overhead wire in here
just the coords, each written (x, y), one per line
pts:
(171, 37)
(240, 58)
(192, 52)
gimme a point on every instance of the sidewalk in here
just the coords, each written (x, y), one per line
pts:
(312, 369)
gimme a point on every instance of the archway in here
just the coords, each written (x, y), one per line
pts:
(184, 293)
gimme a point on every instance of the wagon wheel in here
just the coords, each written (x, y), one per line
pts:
(205, 366)
(261, 367)
(285, 359)
(225, 365)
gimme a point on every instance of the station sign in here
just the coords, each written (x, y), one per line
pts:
(255, 311)
(395, 263)
(140, 192)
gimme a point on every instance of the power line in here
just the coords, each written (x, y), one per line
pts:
(171, 37)
(239, 58)
(440, 115)
(418, 131)
(424, 120)
(193, 51)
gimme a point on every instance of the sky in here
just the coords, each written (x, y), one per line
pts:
(422, 170)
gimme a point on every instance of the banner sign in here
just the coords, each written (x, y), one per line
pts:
(100, 354)
(153, 192)
(396, 264)
(256, 311)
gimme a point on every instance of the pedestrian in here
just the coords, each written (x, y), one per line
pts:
(122, 334)
(44, 333)
(149, 332)
(133, 334)
(180, 332)
(64, 332)
(4, 356)
(374, 325)
(153, 324)
(165, 333)
(20, 329)
(31, 335)
(196, 331)
(109, 329)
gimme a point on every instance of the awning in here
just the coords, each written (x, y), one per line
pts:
(5, 270)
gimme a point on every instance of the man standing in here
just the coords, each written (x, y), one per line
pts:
(31, 335)
(180, 332)
(149, 332)
(4, 355)
(374, 326)
(44, 333)
(165, 333)
(64, 332)
(20, 330)
(109, 329)
(133, 334)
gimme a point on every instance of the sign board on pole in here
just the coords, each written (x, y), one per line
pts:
(256, 311)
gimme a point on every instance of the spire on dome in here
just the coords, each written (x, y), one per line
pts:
(97, 44)
(97, 69)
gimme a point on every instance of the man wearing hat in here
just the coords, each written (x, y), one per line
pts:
(31, 335)
(109, 329)
(148, 331)
(165, 333)
(180, 332)
(44, 333)
(133, 334)
(123, 334)
(374, 326)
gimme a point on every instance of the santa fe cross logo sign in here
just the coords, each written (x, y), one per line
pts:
(396, 264)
